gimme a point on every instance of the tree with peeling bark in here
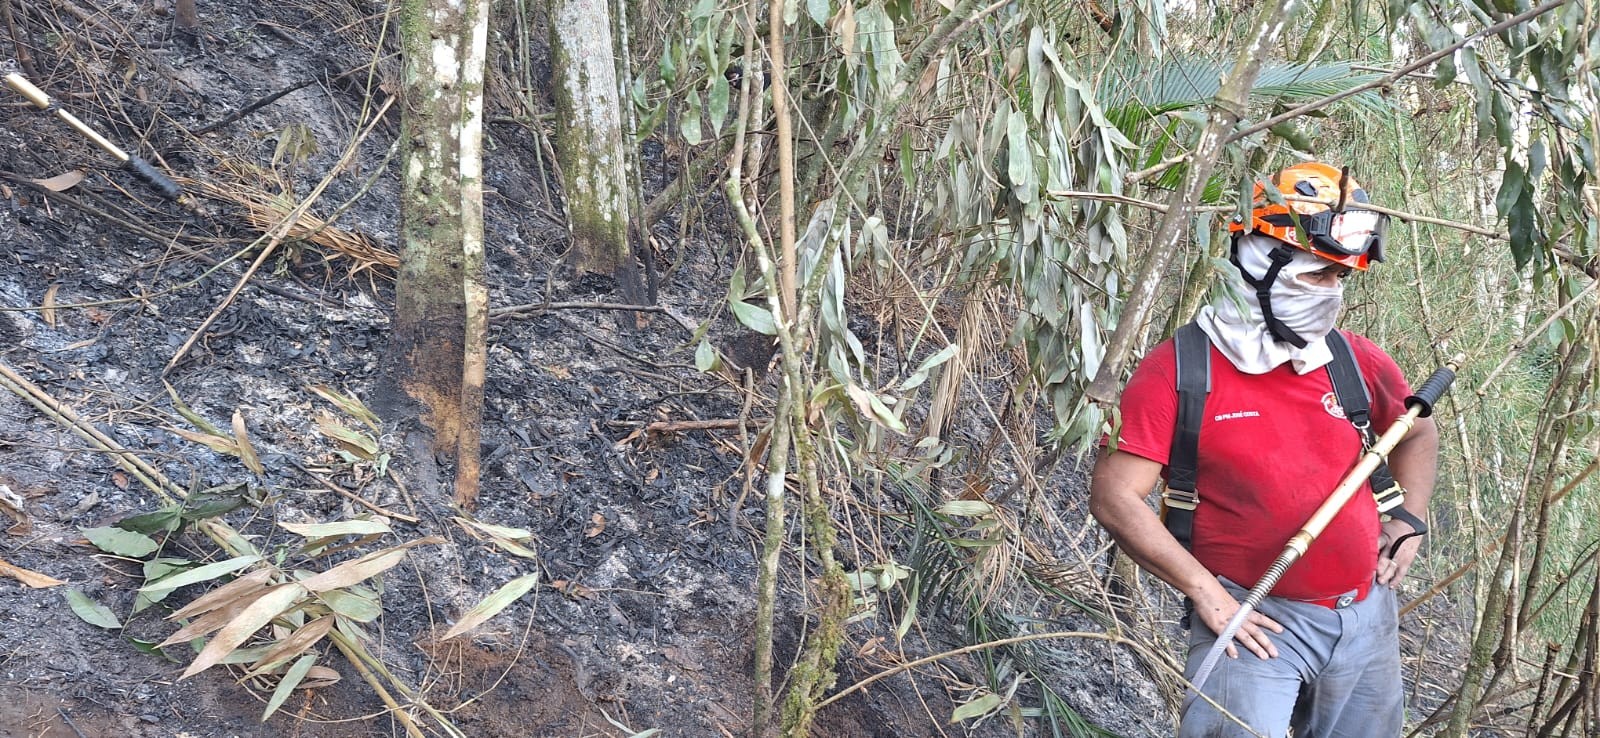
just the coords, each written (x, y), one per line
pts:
(436, 354)
(589, 137)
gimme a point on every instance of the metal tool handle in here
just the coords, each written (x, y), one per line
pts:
(1418, 405)
(140, 168)
(1433, 389)
(26, 89)
(153, 177)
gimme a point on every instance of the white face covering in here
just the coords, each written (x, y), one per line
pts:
(1238, 328)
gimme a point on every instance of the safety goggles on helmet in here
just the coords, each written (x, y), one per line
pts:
(1339, 234)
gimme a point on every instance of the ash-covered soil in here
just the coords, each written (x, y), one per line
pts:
(645, 541)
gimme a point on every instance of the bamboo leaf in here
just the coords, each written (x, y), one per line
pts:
(717, 102)
(976, 708)
(357, 570)
(754, 317)
(193, 417)
(689, 122)
(248, 585)
(121, 542)
(473, 527)
(164, 520)
(218, 443)
(247, 452)
(216, 617)
(291, 679)
(301, 639)
(706, 358)
(351, 605)
(91, 612)
(356, 443)
(819, 10)
(493, 604)
(339, 528)
(275, 602)
(155, 569)
(966, 508)
(204, 574)
(349, 405)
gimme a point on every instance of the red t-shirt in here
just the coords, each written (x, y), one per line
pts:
(1272, 448)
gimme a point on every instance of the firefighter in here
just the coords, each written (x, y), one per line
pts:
(1273, 439)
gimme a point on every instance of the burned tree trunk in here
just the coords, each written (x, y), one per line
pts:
(187, 16)
(440, 298)
(589, 135)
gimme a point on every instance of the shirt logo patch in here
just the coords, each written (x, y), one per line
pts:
(1330, 402)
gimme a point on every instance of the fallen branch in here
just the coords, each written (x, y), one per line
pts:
(59, 412)
(274, 97)
(533, 308)
(676, 426)
(1225, 112)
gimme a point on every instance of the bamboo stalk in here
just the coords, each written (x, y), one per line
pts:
(778, 450)
(1225, 113)
(56, 410)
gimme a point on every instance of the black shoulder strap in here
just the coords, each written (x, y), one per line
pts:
(1351, 389)
(1193, 350)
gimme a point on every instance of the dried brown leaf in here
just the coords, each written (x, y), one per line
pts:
(250, 584)
(303, 638)
(48, 310)
(213, 619)
(355, 571)
(247, 452)
(573, 589)
(28, 578)
(13, 506)
(275, 602)
(597, 525)
(63, 181)
(318, 677)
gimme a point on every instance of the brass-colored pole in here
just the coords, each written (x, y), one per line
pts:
(140, 168)
(1419, 405)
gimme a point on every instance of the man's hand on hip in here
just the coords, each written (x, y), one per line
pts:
(1216, 607)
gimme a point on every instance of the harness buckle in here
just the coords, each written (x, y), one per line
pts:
(1390, 498)
(1180, 499)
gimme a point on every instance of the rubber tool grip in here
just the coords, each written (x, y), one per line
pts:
(153, 177)
(1432, 390)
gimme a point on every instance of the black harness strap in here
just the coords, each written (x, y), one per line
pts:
(1351, 388)
(1193, 349)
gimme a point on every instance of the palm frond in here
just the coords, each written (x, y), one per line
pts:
(946, 581)
(1132, 95)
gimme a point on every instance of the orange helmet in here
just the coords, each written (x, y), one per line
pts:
(1320, 212)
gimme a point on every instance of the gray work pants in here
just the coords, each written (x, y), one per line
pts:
(1341, 665)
